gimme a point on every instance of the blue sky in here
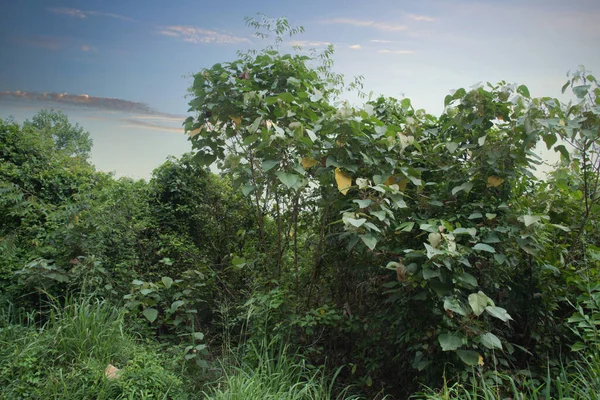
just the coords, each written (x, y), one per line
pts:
(121, 68)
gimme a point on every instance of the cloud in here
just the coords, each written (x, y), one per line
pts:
(75, 13)
(381, 41)
(355, 47)
(142, 124)
(86, 48)
(382, 26)
(56, 43)
(86, 101)
(305, 43)
(424, 18)
(46, 42)
(386, 51)
(193, 34)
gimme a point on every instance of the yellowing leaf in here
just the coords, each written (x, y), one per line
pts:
(391, 180)
(344, 181)
(236, 120)
(480, 362)
(308, 162)
(494, 181)
(402, 184)
(194, 132)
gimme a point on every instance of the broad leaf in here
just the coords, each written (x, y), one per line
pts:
(343, 180)
(466, 187)
(450, 342)
(470, 357)
(484, 247)
(151, 314)
(478, 302)
(167, 281)
(498, 312)
(454, 305)
(369, 240)
(490, 341)
(289, 180)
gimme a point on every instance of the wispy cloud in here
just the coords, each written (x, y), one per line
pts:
(46, 42)
(382, 26)
(306, 43)
(381, 41)
(423, 18)
(386, 51)
(56, 43)
(90, 49)
(81, 14)
(355, 47)
(144, 124)
(194, 34)
(86, 101)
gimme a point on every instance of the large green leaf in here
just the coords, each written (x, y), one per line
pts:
(369, 240)
(490, 341)
(167, 281)
(478, 302)
(484, 247)
(291, 181)
(469, 357)
(450, 341)
(498, 312)
(150, 313)
(453, 304)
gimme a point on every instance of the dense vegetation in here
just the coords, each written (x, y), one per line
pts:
(342, 251)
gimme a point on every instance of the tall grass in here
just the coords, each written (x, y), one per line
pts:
(271, 372)
(578, 380)
(65, 358)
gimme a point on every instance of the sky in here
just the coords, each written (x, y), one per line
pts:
(121, 69)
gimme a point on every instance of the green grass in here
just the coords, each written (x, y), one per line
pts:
(65, 358)
(579, 380)
(271, 372)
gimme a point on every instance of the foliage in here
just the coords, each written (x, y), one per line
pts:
(66, 357)
(406, 246)
(442, 202)
(275, 373)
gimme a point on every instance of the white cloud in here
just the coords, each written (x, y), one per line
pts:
(356, 47)
(386, 51)
(193, 34)
(381, 41)
(88, 49)
(424, 18)
(382, 26)
(306, 43)
(81, 14)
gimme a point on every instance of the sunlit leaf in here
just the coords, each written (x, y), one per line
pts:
(478, 302)
(494, 181)
(308, 162)
(498, 312)
(344, 181)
